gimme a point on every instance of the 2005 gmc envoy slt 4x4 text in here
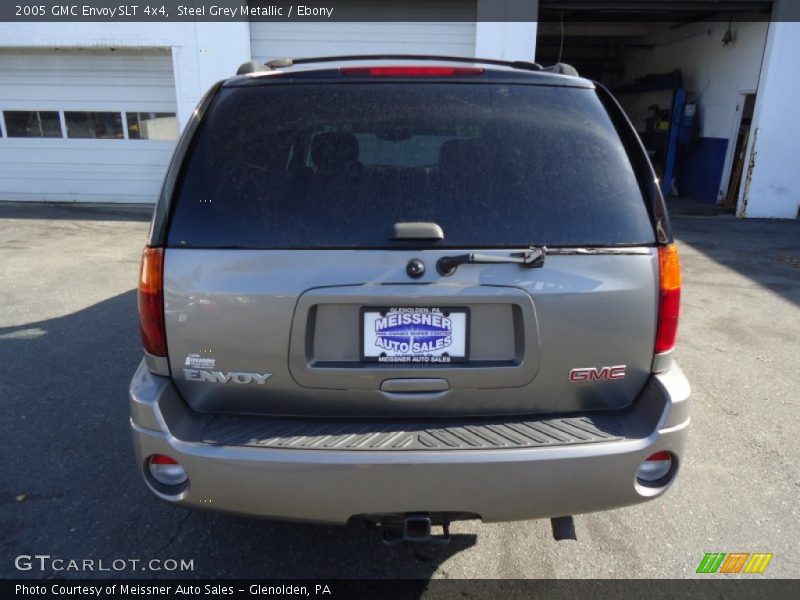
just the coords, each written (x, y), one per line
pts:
(409, 290)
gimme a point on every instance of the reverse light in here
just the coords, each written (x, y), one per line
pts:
(166, 470)
(655, 467)
(669, 298)
(151, 301)
(411, 71)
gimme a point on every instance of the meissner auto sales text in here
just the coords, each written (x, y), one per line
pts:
(62, 589)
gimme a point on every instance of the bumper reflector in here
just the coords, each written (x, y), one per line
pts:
(655, 467)
(166, 470)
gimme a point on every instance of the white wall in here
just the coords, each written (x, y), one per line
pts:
(771, 187)
(505, 40)
(202, 52)
(715, 76)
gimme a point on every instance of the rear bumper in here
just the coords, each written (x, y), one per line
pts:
(325, 485)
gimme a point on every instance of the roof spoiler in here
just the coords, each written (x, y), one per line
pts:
(285, 63)
(562, 69)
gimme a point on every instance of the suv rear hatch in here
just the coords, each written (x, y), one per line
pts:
(291, 277)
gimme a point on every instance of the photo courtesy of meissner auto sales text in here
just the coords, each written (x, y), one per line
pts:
(366, 299)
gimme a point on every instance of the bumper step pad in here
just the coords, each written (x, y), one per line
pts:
(464, 434)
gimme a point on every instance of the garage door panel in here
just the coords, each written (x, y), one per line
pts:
(92, 182)
(58, 171)
(271, 40)
(90, 187)
(115, 171)
(38, 98)
(12, 158)
(341, 48)
(83, 102)
(137, 196)
(105, 170)
(116, 151)
(97, 76)
(419, 30)
(70, 192)
(366, 33)
(57, 175)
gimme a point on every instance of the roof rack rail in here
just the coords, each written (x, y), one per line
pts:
(283, 63)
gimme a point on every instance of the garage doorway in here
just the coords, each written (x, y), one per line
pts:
(682, 72)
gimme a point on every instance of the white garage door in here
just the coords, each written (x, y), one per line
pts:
(294, 40)
(87, 126)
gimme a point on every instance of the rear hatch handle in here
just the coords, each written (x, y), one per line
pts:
(417, 231)
(531, 258)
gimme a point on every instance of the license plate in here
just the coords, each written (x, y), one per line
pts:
(414, 335)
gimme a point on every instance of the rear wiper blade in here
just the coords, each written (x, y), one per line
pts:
(531, 258)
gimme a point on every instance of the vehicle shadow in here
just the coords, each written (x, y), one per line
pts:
(69, 487)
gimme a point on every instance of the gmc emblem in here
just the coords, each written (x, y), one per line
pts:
(594, 374)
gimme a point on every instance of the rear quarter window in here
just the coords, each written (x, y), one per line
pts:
(335, 165)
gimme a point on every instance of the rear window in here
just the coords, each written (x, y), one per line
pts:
(336, 165)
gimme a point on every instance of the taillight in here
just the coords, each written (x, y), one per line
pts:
(669, 298)
(151, 301)
(411, 71)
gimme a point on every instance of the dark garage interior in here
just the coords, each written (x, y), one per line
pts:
(685, 72)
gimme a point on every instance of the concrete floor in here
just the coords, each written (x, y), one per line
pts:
(68, 486)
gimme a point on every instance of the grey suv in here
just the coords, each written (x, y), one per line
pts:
(409, 290)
